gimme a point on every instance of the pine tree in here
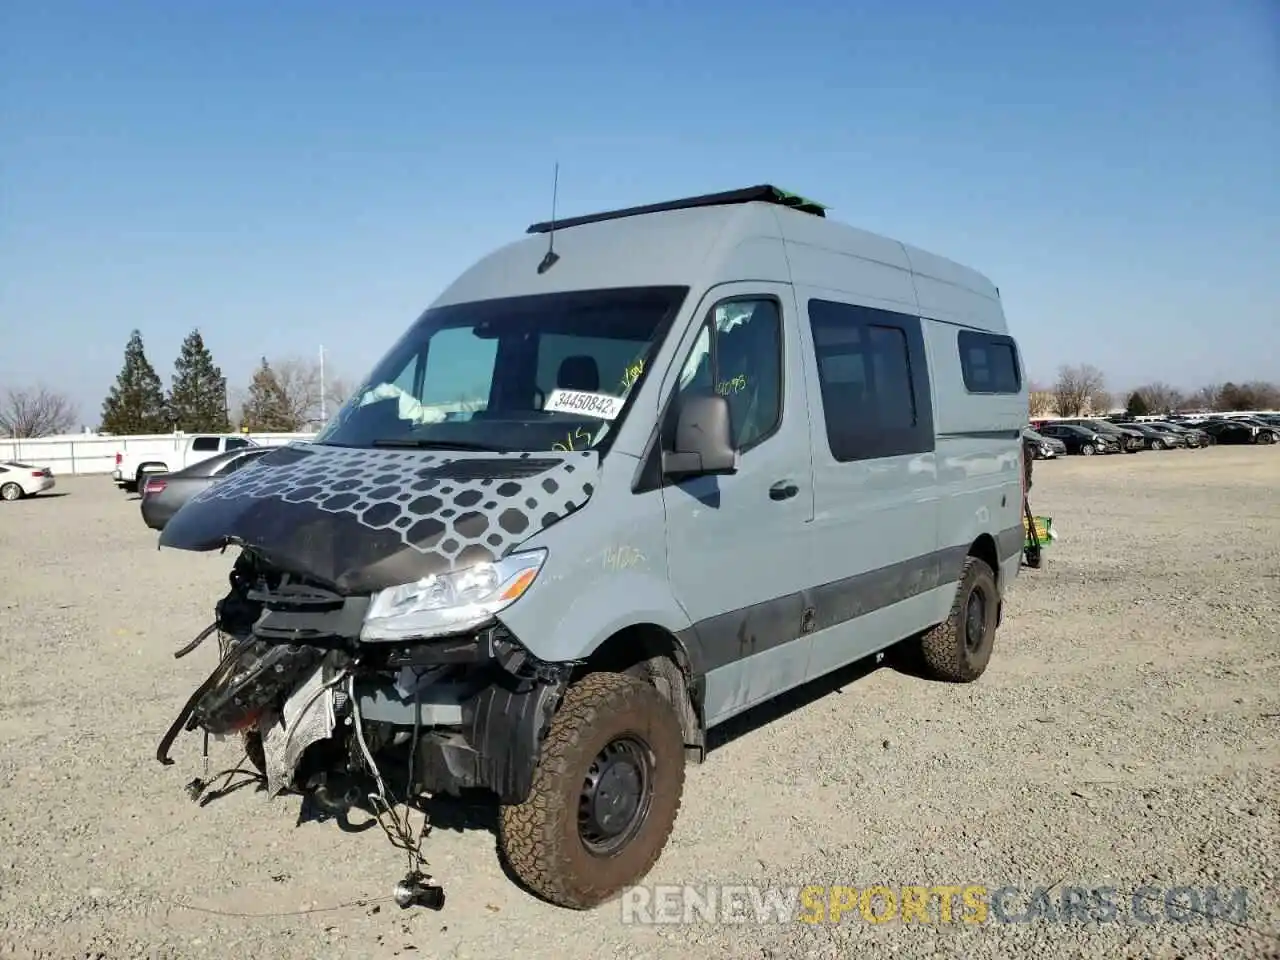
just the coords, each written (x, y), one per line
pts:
(136, 403)
(197, 400)
(1137, 405)
(266, 409)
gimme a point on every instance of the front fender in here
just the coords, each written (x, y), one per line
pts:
(572, 619)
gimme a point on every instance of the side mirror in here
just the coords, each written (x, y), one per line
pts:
(703, 439)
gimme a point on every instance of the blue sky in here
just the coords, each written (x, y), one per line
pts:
(290, 174)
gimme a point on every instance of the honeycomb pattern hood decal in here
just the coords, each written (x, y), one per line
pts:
(365, 519)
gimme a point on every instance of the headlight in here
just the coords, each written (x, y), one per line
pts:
(450, 602)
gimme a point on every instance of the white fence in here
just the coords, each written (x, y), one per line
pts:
(89, 453)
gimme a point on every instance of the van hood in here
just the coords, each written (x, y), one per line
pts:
(360, 520)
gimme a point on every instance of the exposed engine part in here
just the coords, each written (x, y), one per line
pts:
(185, 718)
(201, 637)
(261, 673)
(418, 890)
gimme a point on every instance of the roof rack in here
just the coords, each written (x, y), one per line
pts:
(763, 193)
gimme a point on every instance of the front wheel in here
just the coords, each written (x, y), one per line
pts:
(1266, 437)
(605, 794)
(1157, 444)
(1088, 450)
(10, 492)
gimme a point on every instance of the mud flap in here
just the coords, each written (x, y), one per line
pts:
(307, 718)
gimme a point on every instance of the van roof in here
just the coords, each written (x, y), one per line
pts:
(761, 233)
(763, 193)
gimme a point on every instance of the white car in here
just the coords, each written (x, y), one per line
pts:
(18, 480)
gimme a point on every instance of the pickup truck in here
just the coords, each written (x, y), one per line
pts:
(166, 456)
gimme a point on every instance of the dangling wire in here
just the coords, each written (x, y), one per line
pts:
(398, 831)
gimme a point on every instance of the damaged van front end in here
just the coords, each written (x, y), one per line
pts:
(368, 589)
(367, 650)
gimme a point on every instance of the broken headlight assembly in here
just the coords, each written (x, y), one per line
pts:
(450, 602)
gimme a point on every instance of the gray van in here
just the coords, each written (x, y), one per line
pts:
(623, 480)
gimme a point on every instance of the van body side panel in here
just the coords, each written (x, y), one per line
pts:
(945, 290)
(606, 569)
(979, 455)
(875, 533)
(739, 559)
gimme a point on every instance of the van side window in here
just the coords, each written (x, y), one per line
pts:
(988, 363)
(874, 381)
(203, 444)
(738, 354)
(235, 443)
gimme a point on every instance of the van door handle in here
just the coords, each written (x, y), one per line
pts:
(783, 490)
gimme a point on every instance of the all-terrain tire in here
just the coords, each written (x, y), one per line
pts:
(540, 838)
(946, 649)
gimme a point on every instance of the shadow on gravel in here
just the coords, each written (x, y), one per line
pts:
(903, 657)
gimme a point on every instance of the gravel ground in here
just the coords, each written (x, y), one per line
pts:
(1125, 735)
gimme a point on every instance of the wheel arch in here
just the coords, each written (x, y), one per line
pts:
(654, 654)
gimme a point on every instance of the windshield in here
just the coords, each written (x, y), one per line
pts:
(534, 373)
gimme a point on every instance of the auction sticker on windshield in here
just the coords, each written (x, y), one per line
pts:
(603, 405)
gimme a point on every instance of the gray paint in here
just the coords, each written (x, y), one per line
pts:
(874, 546)
(866, 555)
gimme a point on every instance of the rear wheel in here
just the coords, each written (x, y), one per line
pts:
(1266, 437)
(1157, 444)
(959, 648)
(605, 793)
(10, 492)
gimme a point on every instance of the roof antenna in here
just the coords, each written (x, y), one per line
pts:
(550, 259)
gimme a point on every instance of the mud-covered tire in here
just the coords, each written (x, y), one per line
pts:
(948, 650)
(541, 839)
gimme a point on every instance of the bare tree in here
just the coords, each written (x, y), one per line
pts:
(1160, 397)
(300, 382)
(28, 412)
(1206, 398)
(1079, 389)
(1040, 400)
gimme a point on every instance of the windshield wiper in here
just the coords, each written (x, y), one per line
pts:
(411, 443)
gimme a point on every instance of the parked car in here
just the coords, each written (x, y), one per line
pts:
(1082, 440)
(164, 493)
(1191, 436)
(1130, 441)
(1259, 422)
(1155, 439)
(133, 468)
(18, 480)
(1238, 431)
(1044, 448)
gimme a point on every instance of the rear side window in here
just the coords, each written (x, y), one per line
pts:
(989, 363)
(235, 464)
(874, 381)
(200, 444)
(235, 443)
